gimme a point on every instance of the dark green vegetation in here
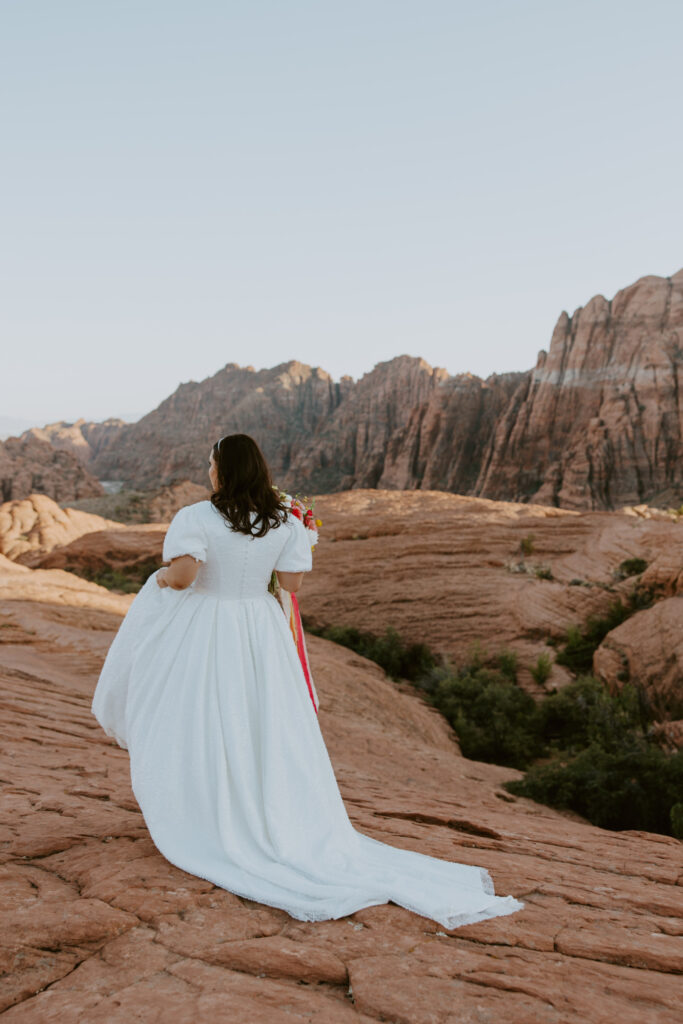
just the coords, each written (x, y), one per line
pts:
(584, 749)
(398, 659)
(631, 567)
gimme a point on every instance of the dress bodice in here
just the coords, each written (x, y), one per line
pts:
(235, 566)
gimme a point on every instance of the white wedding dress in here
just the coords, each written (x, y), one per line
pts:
(205, 690)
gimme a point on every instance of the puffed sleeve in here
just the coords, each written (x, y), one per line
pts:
(296, 554)
(185, 536)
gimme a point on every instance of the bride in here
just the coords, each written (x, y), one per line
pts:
(203, 686)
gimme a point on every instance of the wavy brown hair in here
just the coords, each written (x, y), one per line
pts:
(245, 486)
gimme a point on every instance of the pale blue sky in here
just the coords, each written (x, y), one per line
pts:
(190, 184)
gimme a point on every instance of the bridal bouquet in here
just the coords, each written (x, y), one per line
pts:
(302, 508)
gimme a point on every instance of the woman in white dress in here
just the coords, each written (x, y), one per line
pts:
(204, 688)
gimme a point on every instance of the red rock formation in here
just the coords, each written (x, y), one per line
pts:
(278, 407)
(597, 424)
(122, 549)
(444, 443)
(32, 527)
(30, 465)
(449, 570)
(647, 649)
(600, 421)
(351, 448)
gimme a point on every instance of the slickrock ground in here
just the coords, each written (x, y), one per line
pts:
(445, 569)
(96, 926)
(437, 567)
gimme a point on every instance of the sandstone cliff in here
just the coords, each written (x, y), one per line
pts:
(599, 423)
(278, 407)
(403, 425)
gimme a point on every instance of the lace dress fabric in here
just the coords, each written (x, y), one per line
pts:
(205, 690)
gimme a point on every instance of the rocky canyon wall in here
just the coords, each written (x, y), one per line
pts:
(598, 423)
(29, 465)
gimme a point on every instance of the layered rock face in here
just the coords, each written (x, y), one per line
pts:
(278, 407)
(599, 423)
(404, 425)
(351, 448)
(31, 465)
(446, 438)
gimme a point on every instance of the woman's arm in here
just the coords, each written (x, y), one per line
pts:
(179, 574)
(290, 581)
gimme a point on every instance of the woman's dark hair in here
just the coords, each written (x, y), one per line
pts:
(245, 486)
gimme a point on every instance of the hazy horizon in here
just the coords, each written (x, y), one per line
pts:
(192, 185)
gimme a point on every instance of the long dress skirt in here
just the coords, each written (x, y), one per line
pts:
(232, 774)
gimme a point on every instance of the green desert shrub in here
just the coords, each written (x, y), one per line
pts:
(399, 659)
(526, 544)
(540, 672)
(631, 567)
(543, 572)
(506, 661)
(634, 788)
(581, 642)
(494, 720)
(585, 713)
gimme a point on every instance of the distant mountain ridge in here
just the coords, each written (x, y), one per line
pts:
(597, 423)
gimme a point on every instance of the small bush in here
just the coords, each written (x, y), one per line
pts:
(507, 664)
(542, 669)
(581, 643)
(543, 572)
(526, 545)
(399, 659)
(631, 567)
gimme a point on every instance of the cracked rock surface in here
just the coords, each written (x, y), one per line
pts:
(97, 926)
